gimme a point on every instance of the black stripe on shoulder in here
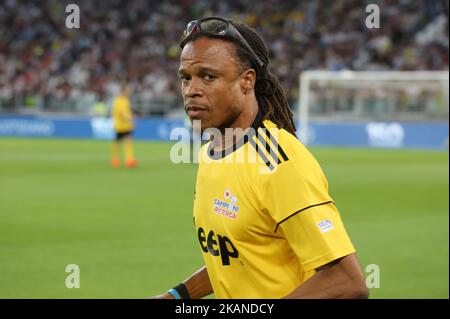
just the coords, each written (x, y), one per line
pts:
(301, 210)
(275, 142)
(268, 148)
(261, 153)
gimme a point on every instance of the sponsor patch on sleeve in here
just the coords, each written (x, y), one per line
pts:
(325, 225)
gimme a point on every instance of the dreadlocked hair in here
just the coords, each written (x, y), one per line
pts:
(269, 93)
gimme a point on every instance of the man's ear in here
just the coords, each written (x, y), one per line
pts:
(248, 79)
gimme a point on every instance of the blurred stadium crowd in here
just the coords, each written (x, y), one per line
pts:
(45, 66)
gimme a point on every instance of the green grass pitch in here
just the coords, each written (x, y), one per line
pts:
(132, 235)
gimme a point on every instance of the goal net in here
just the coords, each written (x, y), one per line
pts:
(371, 97)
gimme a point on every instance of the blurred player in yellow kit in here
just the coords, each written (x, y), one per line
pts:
(123, 126)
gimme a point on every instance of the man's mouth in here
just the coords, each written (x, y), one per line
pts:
(195, 111)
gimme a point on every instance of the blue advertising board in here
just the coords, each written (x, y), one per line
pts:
(367, 134)
(157, 129)
(380, 134)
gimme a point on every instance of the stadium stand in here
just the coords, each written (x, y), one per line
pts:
(46, 67)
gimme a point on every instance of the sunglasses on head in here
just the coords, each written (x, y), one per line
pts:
(217, 27)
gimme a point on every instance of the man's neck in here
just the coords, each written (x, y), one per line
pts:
(236, 131)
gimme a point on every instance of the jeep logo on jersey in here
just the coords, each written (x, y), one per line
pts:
(217, 245)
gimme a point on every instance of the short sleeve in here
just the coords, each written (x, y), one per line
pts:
(293, 187)
(317, 236)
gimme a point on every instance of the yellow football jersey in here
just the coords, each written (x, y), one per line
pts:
(122, 115)
(263, 216)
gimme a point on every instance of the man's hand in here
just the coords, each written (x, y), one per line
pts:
(162, 296)
(198, 286)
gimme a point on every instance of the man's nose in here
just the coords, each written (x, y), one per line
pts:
(193, 89)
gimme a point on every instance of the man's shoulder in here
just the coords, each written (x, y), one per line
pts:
(288, 148)
(120, 99)
(287, 144)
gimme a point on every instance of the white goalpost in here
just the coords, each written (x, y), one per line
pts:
(349, 96)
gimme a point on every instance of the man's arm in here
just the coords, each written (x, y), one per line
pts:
(198, 286)
(319, 240)
(125, 112)
(341, 278)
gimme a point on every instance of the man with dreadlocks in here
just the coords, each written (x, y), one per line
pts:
(266, 228)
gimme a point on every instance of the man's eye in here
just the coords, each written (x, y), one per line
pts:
(208, 77)
(184, 78)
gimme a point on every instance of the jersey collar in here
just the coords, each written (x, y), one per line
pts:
(258, 122)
